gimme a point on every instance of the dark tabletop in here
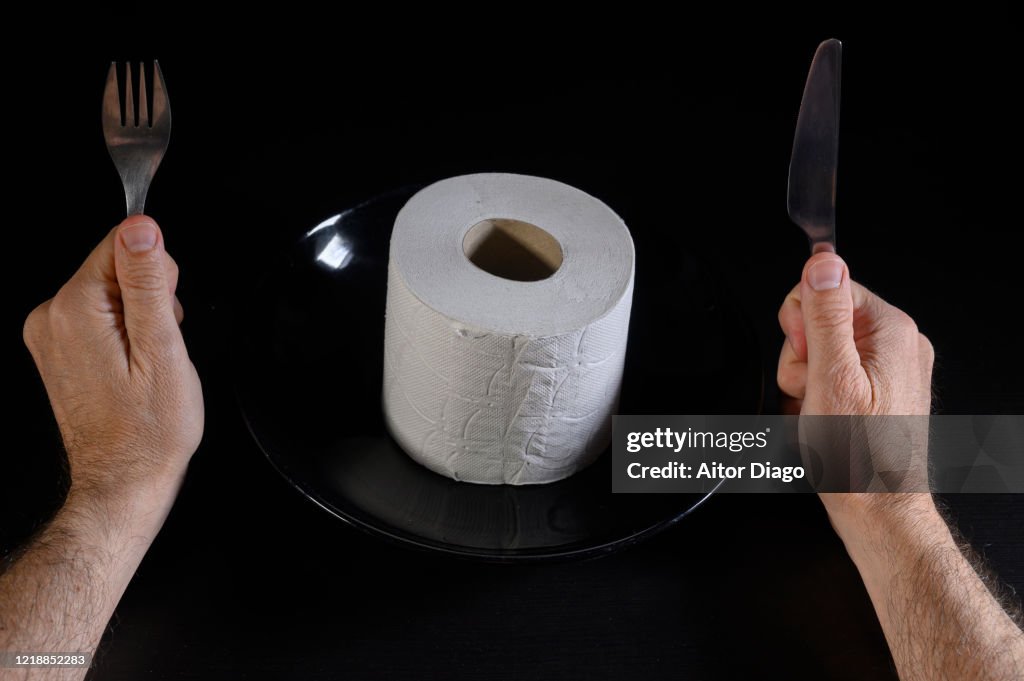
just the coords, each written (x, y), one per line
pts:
(688, 140)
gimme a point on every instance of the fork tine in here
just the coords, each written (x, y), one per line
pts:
(160, 108)
(129, 103)
(144, 119)
(111, 100)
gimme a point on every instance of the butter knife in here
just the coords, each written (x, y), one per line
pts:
(812, 165)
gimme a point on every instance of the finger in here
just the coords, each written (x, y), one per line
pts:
(868, 311)
(827, 306)
(172, 285)
(792, 372)
(93, 287)
(791, 320)
(34, 332)
(926, 355)
(142, 276)
(172, 272)
(99, 266)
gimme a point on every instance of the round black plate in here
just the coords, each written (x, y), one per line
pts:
(308, 350)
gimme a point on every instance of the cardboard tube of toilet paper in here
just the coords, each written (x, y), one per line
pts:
(507, 314)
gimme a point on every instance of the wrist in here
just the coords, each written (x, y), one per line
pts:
(135, 506)
(871, 514)
(101, 475)
(881, 531)
(889, 537)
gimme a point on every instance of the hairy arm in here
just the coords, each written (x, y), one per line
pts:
(59, 594)
(939, 618)
(130, 411)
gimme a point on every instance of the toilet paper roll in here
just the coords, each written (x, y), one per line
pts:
(492, 379)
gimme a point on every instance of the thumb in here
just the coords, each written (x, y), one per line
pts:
(826, 301)
(142, 278)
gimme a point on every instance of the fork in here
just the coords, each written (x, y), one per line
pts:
(136, 142)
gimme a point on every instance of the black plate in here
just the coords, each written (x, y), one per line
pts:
(308, 357)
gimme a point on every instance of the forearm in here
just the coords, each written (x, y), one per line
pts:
(59, 595)
(939, 618)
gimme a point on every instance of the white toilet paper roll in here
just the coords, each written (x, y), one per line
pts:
(492, 380)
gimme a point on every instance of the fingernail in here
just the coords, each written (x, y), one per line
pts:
(825, 274)
(139, 237)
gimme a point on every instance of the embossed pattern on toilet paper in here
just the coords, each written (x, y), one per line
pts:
(490, 380)
(564, 390)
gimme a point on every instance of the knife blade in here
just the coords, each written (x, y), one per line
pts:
(813, 163)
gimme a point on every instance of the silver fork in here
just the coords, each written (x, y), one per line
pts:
(137, 144)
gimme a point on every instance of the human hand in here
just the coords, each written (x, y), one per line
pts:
(127, 398)
(848, 352)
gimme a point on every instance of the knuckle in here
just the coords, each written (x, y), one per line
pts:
(791, 381)
(145, 279)
(904, 323)
(927, 349)
(60, 305)
(790, 306)
(783, 374)
(146, 276)
(831, 316)
(162, 345)
(173, 349)
(33, 326)
(64, 315)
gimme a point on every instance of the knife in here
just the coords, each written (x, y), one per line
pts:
(812, 165)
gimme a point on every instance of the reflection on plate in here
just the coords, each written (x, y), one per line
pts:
(308, 351)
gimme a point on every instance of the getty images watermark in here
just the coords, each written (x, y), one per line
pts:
(944, 454)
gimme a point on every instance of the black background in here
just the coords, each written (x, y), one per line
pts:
(685, 132)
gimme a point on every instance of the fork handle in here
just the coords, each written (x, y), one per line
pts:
(136, 200)
(136, 179)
